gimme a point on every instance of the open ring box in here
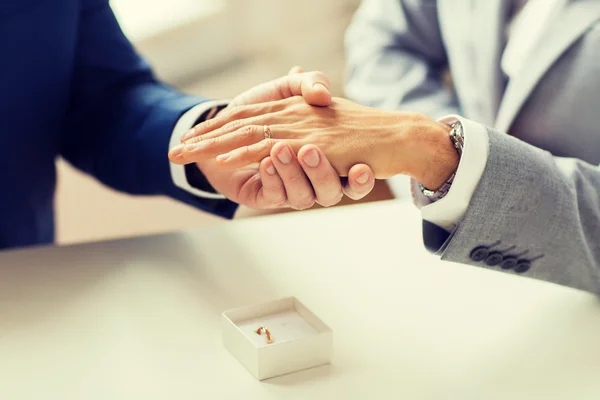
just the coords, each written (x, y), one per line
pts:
(300, 339)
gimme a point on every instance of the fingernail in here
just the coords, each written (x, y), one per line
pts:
(187, 135)
(285, 156)
(320, 86)
(176, 151)
(223, 157)
(271, 170)
(311, 158)
(363, 178)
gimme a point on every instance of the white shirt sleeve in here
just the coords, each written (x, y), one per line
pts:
(449, 210)
(186, 122)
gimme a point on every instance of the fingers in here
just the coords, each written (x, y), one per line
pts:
(237, 126)
(200, 149)
(323, 177)
(242, 156)
(313, 86)
(235, 117)
(361, 181)
(296, 70)
(300, 194)
(272, 194)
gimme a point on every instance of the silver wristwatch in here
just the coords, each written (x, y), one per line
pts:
(458, 140)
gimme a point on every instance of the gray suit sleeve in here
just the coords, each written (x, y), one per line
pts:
(538, 207)
(396, 58)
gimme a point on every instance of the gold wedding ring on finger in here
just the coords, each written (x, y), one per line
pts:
(267, 131)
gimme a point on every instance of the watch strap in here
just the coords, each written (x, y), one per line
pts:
(458, 141)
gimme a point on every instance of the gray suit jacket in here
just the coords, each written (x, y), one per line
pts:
(539, 197)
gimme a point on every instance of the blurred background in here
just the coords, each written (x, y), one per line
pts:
(215, 48)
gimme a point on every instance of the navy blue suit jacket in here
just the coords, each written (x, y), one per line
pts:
(71, 85)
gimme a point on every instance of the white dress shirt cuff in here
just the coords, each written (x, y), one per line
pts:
(449, 210)
(186, 122)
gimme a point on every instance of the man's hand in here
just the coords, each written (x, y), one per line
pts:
(284, 179)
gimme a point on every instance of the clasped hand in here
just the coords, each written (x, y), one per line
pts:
(285, 177)
(390, 142)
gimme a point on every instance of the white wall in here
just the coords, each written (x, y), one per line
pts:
(187, 39)
(144, 19)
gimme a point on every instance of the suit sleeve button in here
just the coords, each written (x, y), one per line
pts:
(494, 258)
(479, 253)
(523, 266)
(509, 262)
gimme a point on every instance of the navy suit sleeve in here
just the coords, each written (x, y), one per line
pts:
(121, 118)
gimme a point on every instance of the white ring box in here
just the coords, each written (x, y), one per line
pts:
(300, 339)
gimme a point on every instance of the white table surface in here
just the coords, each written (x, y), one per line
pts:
(140, 318)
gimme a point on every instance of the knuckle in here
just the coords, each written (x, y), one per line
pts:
(243, 152)
(203, 127)
(278, 199)
(324, 180)
(282, 87)
(232, 125)
(295, 179)
(194, 140)
(247, 132)
(214, 142)
(276, 196)
(209, 124)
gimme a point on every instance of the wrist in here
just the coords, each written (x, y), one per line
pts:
(437, 155)
(408, 138)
